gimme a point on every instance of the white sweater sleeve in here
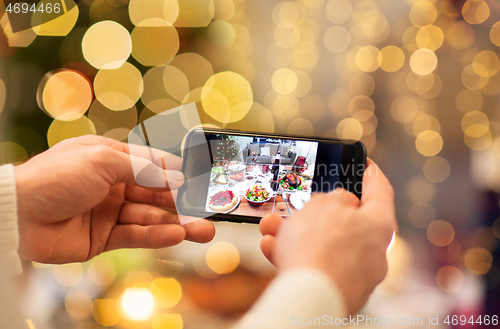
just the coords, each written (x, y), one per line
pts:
(296, 297)
(9, 233)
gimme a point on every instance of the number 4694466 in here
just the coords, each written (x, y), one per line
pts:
(462, 320)
(25, 8)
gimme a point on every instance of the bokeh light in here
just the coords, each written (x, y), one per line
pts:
(436, 169)
(429, 143)
(105, 312)
(478, 260)
(101, 271)
(440, 233)
(227, 97)
(420, 189)
(391, 58)
(119, 89)
(153, 12)
(223, 257)
(137, 304)
(423, 61)
(65, 95)
(78, 304)
(11, 152)
(61, 130)
(167, 320)
(167, 291)
(284, 81)
(194, 13)
(154, 45)
(68, 274)
(107, 45)
(475, 11)
(421, 214)
(450, 279)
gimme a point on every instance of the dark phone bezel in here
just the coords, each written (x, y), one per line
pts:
(357, 148)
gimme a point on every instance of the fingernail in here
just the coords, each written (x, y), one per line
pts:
(174, 176)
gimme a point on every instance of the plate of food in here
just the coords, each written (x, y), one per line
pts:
(299, 199)
(257, 195)
(290, 181)
(236, 167)
(237, 176)
(222, 201)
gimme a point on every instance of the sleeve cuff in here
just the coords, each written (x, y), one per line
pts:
(9, 232)
(294, 297)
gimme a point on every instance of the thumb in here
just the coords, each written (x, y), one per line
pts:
(134, 170)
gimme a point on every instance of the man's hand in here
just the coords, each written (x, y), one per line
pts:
(79, 199)
(340, 235)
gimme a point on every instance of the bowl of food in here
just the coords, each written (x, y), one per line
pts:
(249, 178)
(257, 195)
(292, 182)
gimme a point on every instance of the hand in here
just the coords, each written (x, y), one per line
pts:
(79, 199)
(340, 235)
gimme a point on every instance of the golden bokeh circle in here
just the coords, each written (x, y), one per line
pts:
(430, 37)
(284, 81)
(478, 260)
(450, 279)
(61, 130)
(223, 257)
(221, 33)
(486, 63)
(471, 80)
(153, 12)
(154, 45)
(475, 11)
(423, 13)
(391, 58)
(106, 45)
(436, 169)
(401, 107)
(440, 233)
(349, 128)
(300, 126)
(469, 100)
(227, 97)
(119, 89)
(429, 143)
(338, 11)
(65, 95)
(495, 34)
(419, 189)
(337, 39)
(421, 214)
(423, 61)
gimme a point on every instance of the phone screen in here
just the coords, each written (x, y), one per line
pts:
(243, 175)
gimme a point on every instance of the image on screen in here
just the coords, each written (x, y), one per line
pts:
(255, 176)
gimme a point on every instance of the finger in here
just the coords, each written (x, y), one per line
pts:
(267, 246)
(152, 237)
(118, 167)
(145, 215)
(170, 161)
(377, 190)
(201, 231)
(343, 197)
(139, 194)
(270, 224)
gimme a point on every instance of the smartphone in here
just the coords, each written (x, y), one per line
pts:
(240, 176)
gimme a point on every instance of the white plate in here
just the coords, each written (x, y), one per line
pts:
(237, 167)
(299, 199)
(207, 207)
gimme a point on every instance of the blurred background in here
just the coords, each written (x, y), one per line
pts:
(416, 81)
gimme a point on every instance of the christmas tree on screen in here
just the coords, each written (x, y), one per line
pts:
(225, 149)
